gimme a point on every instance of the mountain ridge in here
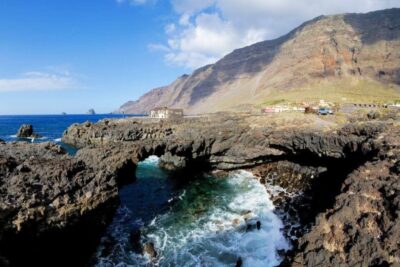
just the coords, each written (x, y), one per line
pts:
(349, 50)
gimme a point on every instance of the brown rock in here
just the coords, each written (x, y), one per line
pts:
(150, 250)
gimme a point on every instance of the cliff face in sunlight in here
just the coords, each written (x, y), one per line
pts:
(350, 55)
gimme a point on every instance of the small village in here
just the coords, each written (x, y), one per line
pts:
(320, 108)
(328, 108)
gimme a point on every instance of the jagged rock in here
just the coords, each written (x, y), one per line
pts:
(361, 228)
(53, 206)
(149, 250)
(396, 168)
(134, 239)
(26, 131)
(239, 262)
(2, 142)
(172, 162)
(91, 112)
(225, 142)
(88, 183)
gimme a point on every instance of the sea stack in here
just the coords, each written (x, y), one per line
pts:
(26, 131)
(91, 112)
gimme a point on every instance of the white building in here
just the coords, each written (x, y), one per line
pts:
(166, 113)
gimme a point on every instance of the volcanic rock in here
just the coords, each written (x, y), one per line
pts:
(339, 184)
(91, 112)
(149, 250)
(53, 206)
(26, 131)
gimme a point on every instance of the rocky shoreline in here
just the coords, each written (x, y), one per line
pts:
(339, 201)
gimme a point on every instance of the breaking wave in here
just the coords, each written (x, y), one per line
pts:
(211, 222)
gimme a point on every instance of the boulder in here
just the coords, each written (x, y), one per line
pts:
(91, 112)
(134, 238)
(239, 262)
(172, 162)
(150, 250)
(396, 168)
(26, 131)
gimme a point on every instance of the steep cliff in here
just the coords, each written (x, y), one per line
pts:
(352, 56)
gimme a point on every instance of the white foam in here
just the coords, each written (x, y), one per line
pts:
(57, 140)
(215, 239)
(152, 160)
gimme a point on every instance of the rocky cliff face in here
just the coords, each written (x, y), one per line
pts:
(342, 182)
(53, 207)
(316, 55)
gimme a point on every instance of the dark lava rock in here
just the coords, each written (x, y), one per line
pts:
(91, 112)
(134, 239)
(343, 183)
(172, 162)
(396, 168)
(239, 262)
(53, 207)
(2, 142)
(26, 131)
(362, 227)
(150, 250)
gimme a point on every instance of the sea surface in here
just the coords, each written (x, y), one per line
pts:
(192, 219)
(50, 127)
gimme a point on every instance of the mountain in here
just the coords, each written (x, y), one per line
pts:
(348, 57)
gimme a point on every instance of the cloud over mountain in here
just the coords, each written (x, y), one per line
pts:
(209, 29)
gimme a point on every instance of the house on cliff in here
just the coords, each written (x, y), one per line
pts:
(166, 113)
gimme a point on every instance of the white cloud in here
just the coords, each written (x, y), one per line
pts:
(37, 81)
(209, 29)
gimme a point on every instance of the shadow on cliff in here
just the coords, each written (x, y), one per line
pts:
(376, 26)
(248, 60)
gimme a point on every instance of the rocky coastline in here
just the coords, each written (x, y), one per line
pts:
(338, 186)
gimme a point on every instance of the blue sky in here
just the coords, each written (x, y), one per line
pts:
(98, 51)
(72, 55)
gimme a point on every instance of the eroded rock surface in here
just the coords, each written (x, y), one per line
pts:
(53, 207)
(26, 131)
(343, 181)
(362, 228)
(225, 142)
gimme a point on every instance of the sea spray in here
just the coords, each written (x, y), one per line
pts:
(211, 222)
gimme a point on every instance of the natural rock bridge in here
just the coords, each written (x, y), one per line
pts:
(49, 197)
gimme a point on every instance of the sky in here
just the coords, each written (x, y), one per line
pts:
(72, 55)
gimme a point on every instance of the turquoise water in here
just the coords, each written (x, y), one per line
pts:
(197, 223)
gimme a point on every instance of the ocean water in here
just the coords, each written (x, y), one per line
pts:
(49, 127)
(197, 223)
